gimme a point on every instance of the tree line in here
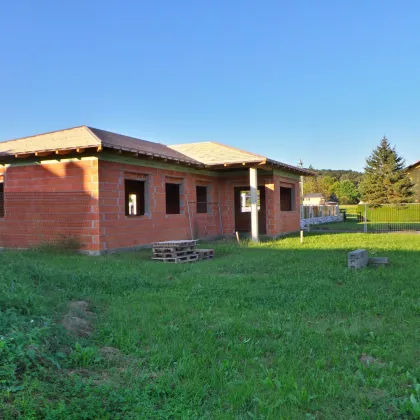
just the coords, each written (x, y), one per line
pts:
(384, 180)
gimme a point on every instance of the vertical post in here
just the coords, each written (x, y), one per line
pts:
(253, 183)
(301, 189)
(189, 219)
(221, 221)
(365, 217)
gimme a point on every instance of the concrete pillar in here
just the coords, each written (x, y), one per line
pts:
(253, 183)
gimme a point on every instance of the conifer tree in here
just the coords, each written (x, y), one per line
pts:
(385, 180)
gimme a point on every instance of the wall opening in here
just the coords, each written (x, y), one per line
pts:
(173, 202)
(287, 199)
(135, 203)
(201, 199)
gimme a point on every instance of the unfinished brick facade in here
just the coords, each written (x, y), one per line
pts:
(107, 191)
(85, 197)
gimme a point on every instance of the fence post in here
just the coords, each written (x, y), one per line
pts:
(365, 217)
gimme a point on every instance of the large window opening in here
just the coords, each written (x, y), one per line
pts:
(201, 199)
(246, 201)
(173, 204)
(135, 203)
(286, 199)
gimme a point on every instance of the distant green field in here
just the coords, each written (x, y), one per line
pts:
(383, 218)
(391, 213)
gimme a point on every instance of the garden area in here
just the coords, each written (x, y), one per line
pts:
(263, 331)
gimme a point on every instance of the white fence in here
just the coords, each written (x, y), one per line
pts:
(315, 215)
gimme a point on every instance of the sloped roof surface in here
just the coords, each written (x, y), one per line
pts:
(198, 154)
(212, 153)
(119, 141)
(414, 165)
(63, 139)
(84, 137)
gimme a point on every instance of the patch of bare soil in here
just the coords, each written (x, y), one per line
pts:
(111, 354)
(368, 360)
(76, 320)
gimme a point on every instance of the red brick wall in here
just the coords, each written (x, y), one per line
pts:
(45, 202)
(85, 198)
(289, 221)
(120, 231)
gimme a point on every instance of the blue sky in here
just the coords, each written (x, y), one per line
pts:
(320, 81)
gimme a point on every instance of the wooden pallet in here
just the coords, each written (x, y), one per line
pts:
(205, 254)
(174, 249)
(172, 244)
(172, 253)
(179, 260)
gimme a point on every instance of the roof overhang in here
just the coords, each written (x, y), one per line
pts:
(149, 155)
(49, 152)
(95, 149)
(413, 166)
(262, 164)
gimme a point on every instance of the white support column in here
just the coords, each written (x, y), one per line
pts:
(253, 183)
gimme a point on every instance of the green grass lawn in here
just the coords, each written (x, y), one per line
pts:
(269, 331)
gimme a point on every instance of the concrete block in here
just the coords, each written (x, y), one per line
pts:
(358, 259)
(378, 261)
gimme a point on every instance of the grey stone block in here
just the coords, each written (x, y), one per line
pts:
(378, 261)
(358, 259)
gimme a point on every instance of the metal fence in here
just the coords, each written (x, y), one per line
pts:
(389, 217)
(380, 218)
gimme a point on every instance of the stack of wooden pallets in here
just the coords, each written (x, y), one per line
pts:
(205, 254)
(180, 252)
(175, 251)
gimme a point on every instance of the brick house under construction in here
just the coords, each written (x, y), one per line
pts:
(112, 192)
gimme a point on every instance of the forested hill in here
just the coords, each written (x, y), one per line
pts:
(340, 174)
(335, 184)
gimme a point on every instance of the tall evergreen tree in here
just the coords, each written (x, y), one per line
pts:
(385, 180)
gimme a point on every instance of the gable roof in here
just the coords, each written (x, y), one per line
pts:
(212, 153)
(132, 144)
(87, 137)
(64, 139)
(205, 154)
(215, 154)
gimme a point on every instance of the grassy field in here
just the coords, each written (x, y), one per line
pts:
(269, 331)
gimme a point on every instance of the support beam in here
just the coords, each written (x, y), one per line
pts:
(42, 154)
(253, 183)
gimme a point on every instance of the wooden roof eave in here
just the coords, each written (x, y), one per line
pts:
(47, 152)
(290, 168)
(234, 165)
(148, 155)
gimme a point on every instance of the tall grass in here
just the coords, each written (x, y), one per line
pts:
(274, 330)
